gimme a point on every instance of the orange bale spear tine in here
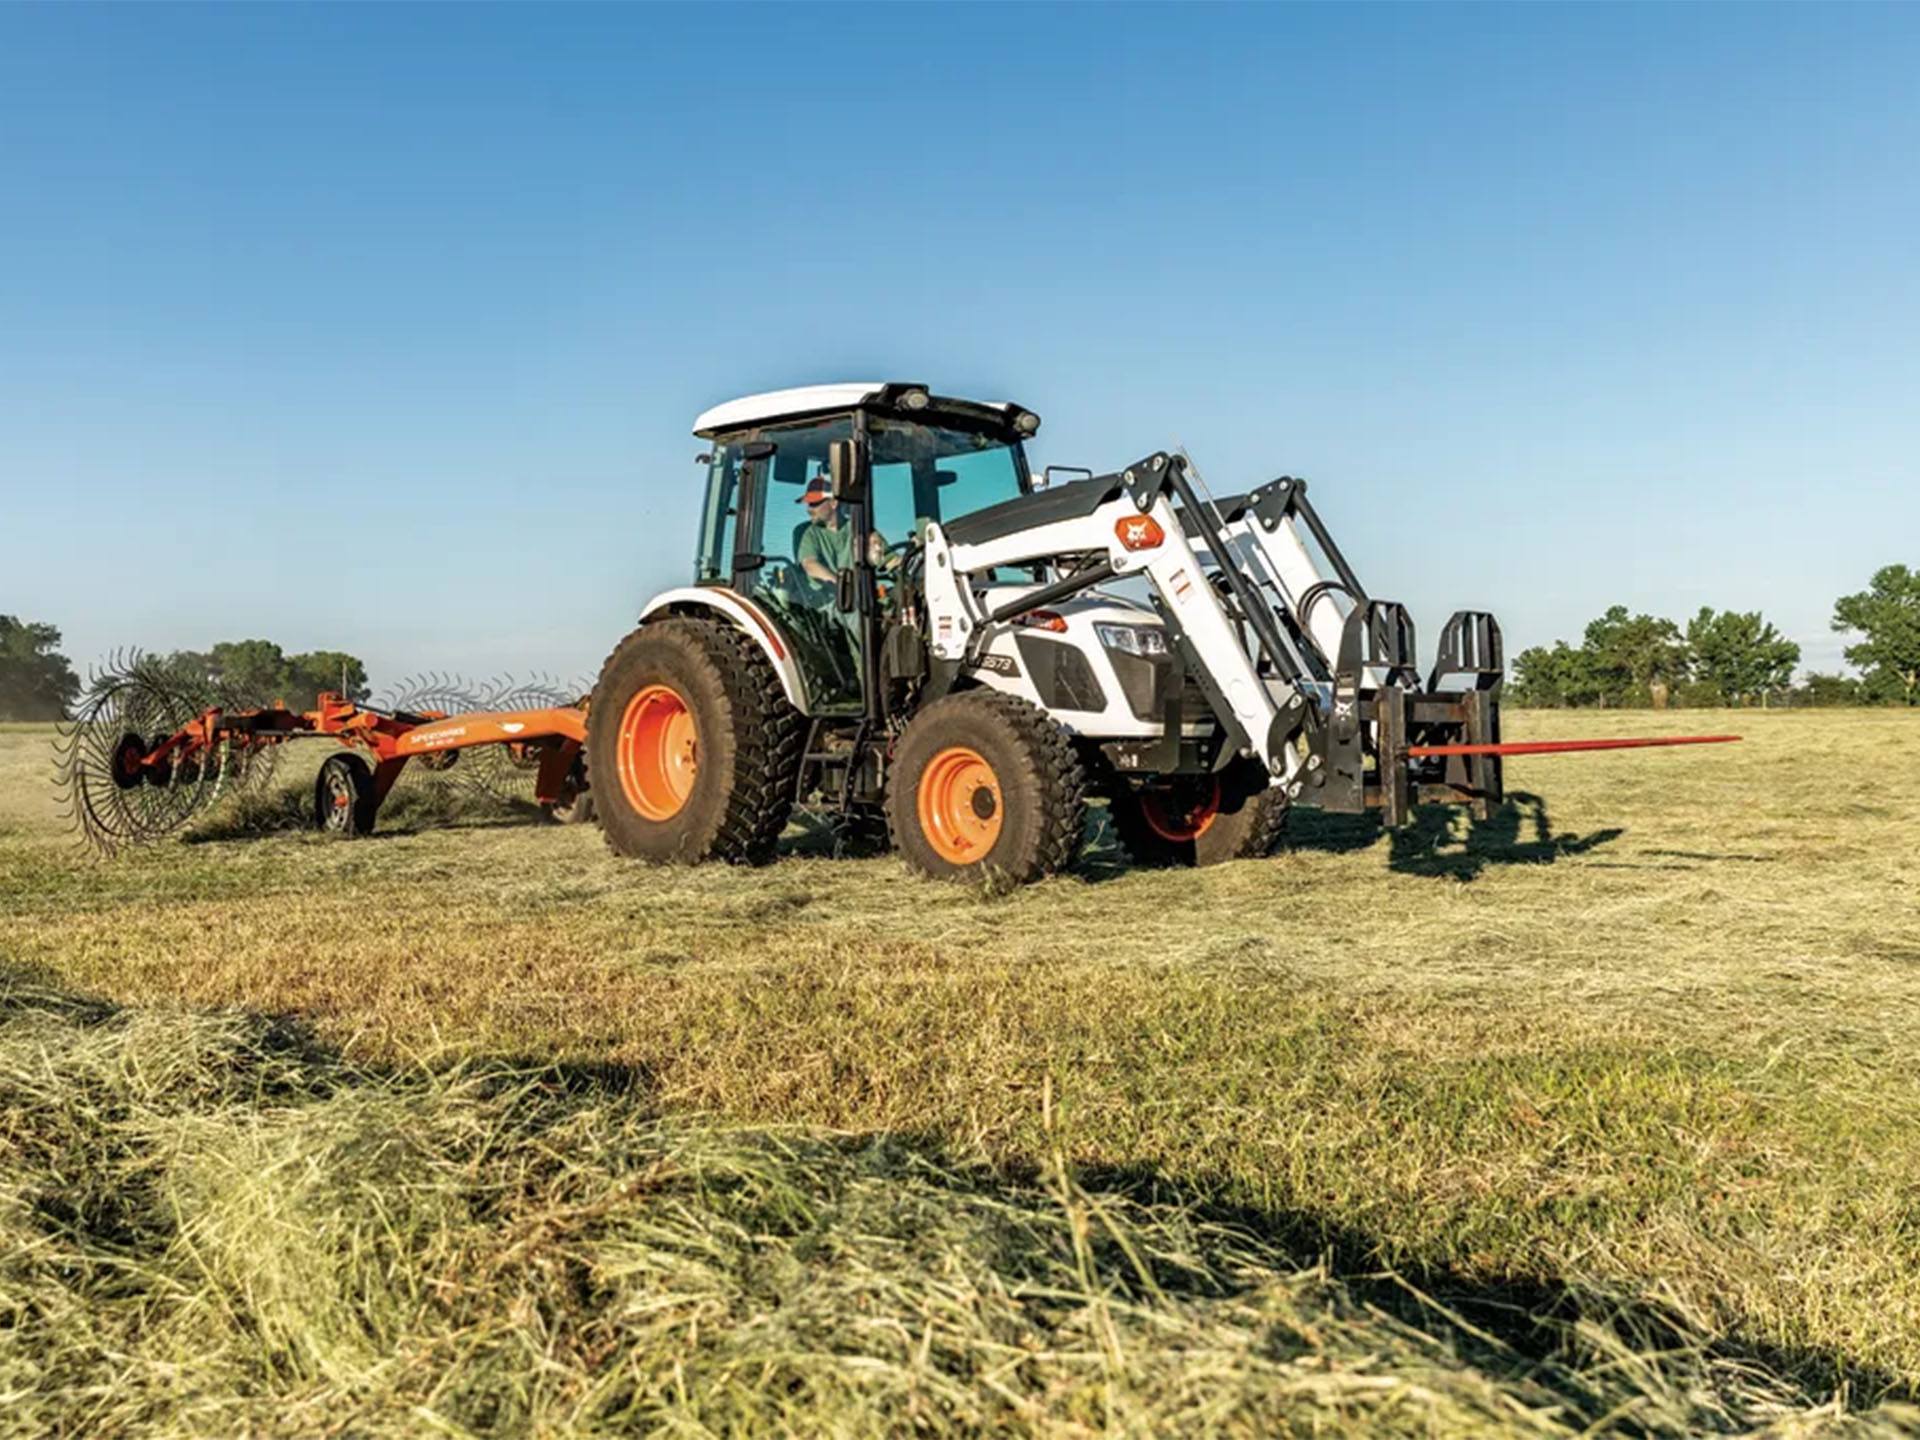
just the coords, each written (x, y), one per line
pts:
(1559, 747)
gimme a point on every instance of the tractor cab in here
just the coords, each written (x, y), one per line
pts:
(824, 553)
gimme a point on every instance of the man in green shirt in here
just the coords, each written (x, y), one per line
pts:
(826, 545)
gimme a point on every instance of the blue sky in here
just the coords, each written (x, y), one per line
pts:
(382, 329)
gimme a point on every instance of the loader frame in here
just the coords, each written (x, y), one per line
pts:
(1329, 700)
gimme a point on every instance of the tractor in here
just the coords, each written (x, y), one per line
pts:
(893, 621)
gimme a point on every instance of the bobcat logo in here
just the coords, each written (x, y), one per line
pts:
(1138, 532)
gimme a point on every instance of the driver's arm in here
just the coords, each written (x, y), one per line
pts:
(808, 552)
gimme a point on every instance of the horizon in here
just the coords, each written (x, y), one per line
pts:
(384, 330)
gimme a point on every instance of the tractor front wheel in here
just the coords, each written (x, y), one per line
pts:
(983, 784)
(693, 748)
(1201, 820)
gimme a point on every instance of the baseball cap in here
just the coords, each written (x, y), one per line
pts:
(816, 491)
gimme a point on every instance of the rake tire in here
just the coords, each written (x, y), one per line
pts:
(746, 736)
(344, 803)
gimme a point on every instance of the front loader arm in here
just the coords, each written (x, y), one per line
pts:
(1117, 525)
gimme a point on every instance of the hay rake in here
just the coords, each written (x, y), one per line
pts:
(150, 747)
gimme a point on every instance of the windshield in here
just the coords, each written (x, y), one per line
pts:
(925, 472)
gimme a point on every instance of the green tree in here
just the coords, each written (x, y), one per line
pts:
(317, 670)
(1887, 617)
(1553, 678)
(250, 667)
(36, 681)
(1736, 655)
(1629, 654)
(1819, 689)
(259, 672)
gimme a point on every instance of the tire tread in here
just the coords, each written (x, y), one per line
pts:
(1053, 764)
(766, 731)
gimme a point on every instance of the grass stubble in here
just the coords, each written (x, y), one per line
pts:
(1599, 1119)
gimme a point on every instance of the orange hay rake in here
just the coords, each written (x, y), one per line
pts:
(142, 757)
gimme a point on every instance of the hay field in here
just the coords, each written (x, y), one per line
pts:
(1603, 1119)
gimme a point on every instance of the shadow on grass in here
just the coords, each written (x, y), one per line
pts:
(1525, 1327)
(1520, 832)
(1163, 1242)
(824, 835)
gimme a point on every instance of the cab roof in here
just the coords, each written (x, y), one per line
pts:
(761, 409)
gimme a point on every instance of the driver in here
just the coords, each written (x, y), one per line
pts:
(826, 545)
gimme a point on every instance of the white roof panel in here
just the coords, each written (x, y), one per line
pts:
(802, 400)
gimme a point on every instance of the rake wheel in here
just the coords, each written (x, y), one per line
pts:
(130, 707)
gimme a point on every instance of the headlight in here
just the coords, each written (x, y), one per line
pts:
(915, 399)
(1026, 422)
(1143, 640)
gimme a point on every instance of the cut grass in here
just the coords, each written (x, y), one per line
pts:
(1637, 1062)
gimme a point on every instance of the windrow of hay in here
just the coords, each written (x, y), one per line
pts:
(211, 1225)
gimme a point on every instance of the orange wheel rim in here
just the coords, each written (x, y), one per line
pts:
(658, 752)
(1180, 818)
(959, 805)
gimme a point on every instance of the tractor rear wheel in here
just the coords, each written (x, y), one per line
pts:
(984, 784)
(343, 800)
(693, 748)
(1202, 820)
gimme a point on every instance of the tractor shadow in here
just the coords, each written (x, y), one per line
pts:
(1556, 1343)
(821, 835)
(1535, 1331)
(1441, 842)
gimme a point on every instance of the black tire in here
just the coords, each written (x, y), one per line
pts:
(343, 800)
(1252, 814)
(577, 811)
(1041, 802)
(1245, 823)
(577, 806)
(746, 736)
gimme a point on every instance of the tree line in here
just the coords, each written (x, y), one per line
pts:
(37, 682)
(258, 672)
(1722, 657)
(1731, 657)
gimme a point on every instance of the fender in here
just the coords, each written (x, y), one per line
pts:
(746, 616)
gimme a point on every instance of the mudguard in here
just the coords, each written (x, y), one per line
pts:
(752, 619)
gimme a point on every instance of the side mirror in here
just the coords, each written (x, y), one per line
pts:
(843, 592)
(847, 471)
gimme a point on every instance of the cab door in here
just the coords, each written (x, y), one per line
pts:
(778, 463)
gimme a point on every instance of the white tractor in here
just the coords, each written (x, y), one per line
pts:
(890, 618)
